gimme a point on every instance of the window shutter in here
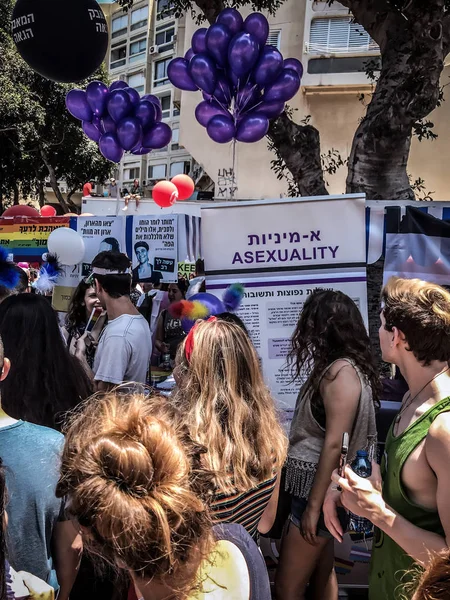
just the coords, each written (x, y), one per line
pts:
(339, 35)
(274, 38)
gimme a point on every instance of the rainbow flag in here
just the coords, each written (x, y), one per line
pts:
(26, 237)
(343, 567)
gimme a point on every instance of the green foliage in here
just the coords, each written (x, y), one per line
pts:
(181, 7)
(34, 119)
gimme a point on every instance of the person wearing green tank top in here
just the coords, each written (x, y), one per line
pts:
(408, 498)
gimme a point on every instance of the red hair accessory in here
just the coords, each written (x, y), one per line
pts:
(189, 343)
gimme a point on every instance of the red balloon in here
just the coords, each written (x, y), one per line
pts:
(48, 211)
(184, 185)
(21, 210)
(165, 194)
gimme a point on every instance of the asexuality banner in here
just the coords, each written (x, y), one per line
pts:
(154, 247)
(282, 251)
(418, 247)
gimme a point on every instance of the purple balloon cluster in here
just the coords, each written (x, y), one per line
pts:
(245, 82)
(119, 119)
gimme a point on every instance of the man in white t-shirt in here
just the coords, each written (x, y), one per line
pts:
(125, 347)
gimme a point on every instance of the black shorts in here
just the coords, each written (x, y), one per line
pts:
(298, 507)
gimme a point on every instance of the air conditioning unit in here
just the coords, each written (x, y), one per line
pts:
(153, 50)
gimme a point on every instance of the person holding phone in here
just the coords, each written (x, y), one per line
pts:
(84, 309)
(330, 346)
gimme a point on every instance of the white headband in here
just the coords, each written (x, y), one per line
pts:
(98, 271)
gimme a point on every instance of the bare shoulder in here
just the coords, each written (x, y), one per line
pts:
(341, 376)
(342, 370)
(438, 440)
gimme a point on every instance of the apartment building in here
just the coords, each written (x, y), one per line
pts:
(142, 43)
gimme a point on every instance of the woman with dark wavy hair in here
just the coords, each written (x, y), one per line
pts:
(331, 349)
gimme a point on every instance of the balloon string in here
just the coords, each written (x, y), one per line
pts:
(248, 98)
(234, 184)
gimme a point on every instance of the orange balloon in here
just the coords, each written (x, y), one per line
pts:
(71, 215)
(185, 186)
(86, 215)
(165, 194)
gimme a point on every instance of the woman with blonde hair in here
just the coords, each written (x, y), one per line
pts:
(228, 408)
(134, 485)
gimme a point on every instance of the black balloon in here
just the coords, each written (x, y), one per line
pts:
(62, 40)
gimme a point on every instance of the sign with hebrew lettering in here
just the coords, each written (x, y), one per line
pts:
(99, 234)
(282, 252)
(26, 237)
(154, 247)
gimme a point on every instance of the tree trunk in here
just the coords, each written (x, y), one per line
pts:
(297, 145)
(41, 192)
(73, 207)
(408, 90)
(16, 197)
(53, 180)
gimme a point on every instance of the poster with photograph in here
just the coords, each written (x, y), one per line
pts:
(154, 247)
(99, 234)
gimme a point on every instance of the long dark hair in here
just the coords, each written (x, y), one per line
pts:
(2, 531)
(331, 327)
(76, 315)
(45, 381)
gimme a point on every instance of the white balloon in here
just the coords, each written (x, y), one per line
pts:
(67, 244)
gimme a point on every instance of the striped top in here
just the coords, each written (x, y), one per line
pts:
(244, 508)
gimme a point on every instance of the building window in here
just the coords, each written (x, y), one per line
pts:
(131, 173)
(157, 172)
(119, 26)
(274, 38)
(160, 72)
(118, 56)
(137, 50)
(175, 145)
(164, 39)
(165, 106)
(339, 35)
(180, 168)
(137, 82)
(164, 9)
(139, 18)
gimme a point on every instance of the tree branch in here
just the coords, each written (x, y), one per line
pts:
(210, 8)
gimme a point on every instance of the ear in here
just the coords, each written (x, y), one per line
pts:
(6, 369)
(98, 287)
(398, 336)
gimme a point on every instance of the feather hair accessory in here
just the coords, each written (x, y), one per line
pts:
(186, 309)
(9, 273)
(233, 296)
(49, 272)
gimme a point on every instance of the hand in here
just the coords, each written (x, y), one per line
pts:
(308, 525)
(165, 348)
(330, 504)
(363, 497)
(82, 343)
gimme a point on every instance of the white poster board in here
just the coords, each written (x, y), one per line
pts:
(282, 251)
(155, 247)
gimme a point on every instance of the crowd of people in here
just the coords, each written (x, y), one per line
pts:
(163, 497)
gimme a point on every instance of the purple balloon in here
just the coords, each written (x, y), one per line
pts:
(284, 88)
(146, 113)
(258, 26)
(134, 96)
(118, 85)
(189, 54)
(199, 41)
(252, 128)
(205, 111)
(295, 65)
(217, 41)
(268, 67)
(97, 95)
(77, 105)
(232, 19)
(129, 132)
(157, 137)
(270, 109)
(119, 105)
(91, 131)
(178, 74)
(243, 53)
(222, 93)
(140, 150)
(221, 129)
(156, 103)
(107, 125)
(110, 147)
(203, 72)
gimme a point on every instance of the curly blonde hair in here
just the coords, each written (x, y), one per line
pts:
(421, 311)
(228, 408)
(132, 477)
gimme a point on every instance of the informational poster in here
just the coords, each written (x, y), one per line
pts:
(99, 234)
(154, 247)
(282, 251)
